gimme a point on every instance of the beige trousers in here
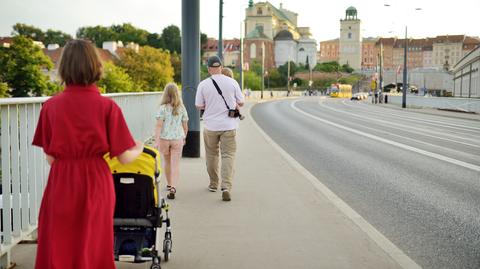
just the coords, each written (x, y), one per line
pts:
(225, 141)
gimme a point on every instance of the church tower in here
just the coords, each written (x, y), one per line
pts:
(351, 40)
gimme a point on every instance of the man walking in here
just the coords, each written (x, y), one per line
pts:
(219, 96)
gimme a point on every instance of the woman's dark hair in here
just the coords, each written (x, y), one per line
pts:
(80, 63)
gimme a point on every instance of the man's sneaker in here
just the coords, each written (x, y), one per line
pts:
(226, 196)
(212, 188)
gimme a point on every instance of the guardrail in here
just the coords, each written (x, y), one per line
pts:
(24, 170)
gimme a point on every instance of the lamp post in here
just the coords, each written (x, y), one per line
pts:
(405, 72)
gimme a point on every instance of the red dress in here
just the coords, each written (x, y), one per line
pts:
(75, 229)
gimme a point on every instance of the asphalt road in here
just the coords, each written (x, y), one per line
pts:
(415, 177)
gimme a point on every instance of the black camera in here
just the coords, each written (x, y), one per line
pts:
(235, 113)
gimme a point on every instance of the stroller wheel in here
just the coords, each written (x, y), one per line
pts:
(167, 248)
(155, 266)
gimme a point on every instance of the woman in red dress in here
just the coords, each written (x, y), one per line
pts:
(75, 129)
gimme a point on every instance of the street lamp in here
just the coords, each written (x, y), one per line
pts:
(405, 74)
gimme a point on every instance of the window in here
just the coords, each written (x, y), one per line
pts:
(259, 27)
(259, 11)
(301, 49)
(253, 51)
(349, 35)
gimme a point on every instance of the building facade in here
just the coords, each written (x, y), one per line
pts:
(466, 75)
(350, 45)
(276, 29)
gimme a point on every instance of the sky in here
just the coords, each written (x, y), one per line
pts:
(323, 17)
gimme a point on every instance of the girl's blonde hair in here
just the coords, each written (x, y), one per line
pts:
(170, 96)
(227, 72)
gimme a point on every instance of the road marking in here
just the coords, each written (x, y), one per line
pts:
(386, 245)
(390, 142)
(414, 129)
(432, 122)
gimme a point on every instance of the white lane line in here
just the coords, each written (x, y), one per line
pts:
(390, 142)
(414, 129)
(433, 122)
(386, 245)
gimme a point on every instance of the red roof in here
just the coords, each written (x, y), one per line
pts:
(228, 45)
(55, 55)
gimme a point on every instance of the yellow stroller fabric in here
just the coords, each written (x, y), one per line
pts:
(147, 163)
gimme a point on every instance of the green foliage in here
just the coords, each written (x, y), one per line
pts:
(256, 67)
(283, 69)
(150, 68)
(97, 34)
(324, 83)
(328, 67)
(252, 81)
(53, 88)
(4, 90)
(21, 67)
(34, 33)
(30, 31)
(115, 79)
(155, 41)
(56, 37)
(352, 80)
(176, 61)
(276, 79)
(171, 38)
(346, 68)
(204, 72)
(203, 41)
(128, 33)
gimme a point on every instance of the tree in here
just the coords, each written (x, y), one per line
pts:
(128, 33)
(346, 68)
(56, 37)
(283, 69)
(30, 31)
(276, 79)
(155, 40)
(4, 90)
(252, 80)
(150, 68)
(97, 34)
(176, 61)
(21, 67)
(171, 38)
(203, 41)
(115, 79)
(328, 67)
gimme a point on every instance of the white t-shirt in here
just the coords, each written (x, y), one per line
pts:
(215, 117)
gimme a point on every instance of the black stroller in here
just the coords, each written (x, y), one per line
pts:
(139, 210)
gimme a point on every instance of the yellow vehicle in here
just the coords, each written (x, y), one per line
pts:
(341, 91)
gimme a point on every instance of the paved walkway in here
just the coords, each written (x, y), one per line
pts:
(279, 217)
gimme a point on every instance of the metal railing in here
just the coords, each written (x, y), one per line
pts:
(24, 170)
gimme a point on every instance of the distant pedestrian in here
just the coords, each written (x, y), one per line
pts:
(170, 133)
(229, 73)
(76, 128)
(219, 95)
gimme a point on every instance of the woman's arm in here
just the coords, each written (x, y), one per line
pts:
(185, 127)
(131, 154)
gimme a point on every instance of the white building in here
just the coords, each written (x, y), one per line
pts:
(466, 75)
(351, 40)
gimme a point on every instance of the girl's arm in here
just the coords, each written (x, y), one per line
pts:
(185, 127)
(131, 154)
(158, 131)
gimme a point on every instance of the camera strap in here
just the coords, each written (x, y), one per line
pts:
(219, 92)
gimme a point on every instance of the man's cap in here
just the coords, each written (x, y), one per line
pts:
(214, 61)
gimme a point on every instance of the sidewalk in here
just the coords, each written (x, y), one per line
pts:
(277, 219)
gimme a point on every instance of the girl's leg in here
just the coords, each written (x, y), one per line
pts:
(166, 164)
(176, 155)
